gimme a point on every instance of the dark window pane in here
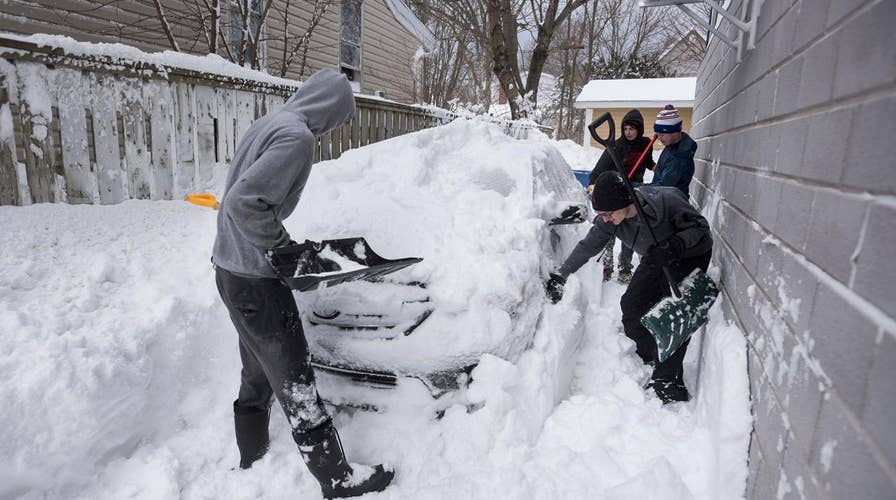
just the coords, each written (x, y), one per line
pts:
(350, 55)
(351, 21)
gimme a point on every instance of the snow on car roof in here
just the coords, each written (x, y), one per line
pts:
(468, 199)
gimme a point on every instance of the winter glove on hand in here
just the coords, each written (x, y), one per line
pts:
(284, 259)
(554, 287)
(666, 251)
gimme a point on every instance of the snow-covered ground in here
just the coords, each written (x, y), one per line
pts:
(120, 365)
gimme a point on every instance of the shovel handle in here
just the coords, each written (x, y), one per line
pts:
(643, 155)
(610, 139)
(672, 284)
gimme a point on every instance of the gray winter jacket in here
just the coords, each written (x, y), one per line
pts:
(668, 212)
(269, 171)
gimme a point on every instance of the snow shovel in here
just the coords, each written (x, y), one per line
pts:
(203, 200)
(331, 262)
(674, 319)
(573, 214)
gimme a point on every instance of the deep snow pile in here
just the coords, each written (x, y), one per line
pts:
(120, 364)
(473, 203)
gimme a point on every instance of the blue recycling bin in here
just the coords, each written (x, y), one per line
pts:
(582, 176)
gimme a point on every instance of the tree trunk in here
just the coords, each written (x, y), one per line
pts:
(504, 52)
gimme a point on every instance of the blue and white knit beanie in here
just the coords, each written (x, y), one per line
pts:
(668, 121)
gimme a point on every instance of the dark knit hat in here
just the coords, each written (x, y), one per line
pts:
(610, 193)
(668, 121)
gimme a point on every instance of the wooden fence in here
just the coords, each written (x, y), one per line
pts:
(100, 129)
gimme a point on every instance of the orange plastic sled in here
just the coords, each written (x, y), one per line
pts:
(204, 199)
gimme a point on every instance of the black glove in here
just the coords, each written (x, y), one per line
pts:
(666, 251)
(284, 259)
(554, 287)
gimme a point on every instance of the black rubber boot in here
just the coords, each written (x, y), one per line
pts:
(322, 452)
(667, 379)
(670, 391)
(251, 425)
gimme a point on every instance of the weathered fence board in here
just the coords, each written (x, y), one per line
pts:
(36, 118)
(206, 118)
(244, 113)
(80, 179)
(9, 182)
(136, 154)
(111, 177)
(185, 125)
(162, 145)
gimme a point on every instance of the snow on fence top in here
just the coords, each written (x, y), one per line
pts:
(118, 55)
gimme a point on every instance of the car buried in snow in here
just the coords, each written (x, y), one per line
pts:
(481, 224)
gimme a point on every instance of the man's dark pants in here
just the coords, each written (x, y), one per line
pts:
(647, 288)
(273, 349)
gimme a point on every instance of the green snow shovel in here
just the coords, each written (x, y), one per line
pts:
(673, 320)
(676, 318)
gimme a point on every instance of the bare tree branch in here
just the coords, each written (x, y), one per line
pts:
(165, 26)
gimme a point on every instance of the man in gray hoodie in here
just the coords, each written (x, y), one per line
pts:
(685, 244)
(266, 179)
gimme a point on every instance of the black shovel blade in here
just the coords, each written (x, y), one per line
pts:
(573, 214)
(332, 262)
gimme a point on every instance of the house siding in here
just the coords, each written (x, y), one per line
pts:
(387, 47)
(323, 51)
(388, 50)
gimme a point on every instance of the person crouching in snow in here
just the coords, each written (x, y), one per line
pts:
(266, 179)
(685, 244)
(629, 147)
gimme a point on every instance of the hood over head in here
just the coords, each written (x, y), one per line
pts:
(325, 101)
(634, 118)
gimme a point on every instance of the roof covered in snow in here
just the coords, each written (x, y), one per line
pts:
(644, 92)
(412, 23)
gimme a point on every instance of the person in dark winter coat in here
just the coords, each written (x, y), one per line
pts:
(675, 167)
(266, 179)
(629, 146)
(685, 244)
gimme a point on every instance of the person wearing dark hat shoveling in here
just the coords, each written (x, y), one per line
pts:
(685, 244)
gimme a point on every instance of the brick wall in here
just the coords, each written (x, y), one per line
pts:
(795, 170)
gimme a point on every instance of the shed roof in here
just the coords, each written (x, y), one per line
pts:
(635, 92)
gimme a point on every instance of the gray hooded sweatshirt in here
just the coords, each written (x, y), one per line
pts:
(669, 213)
(270, 169)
